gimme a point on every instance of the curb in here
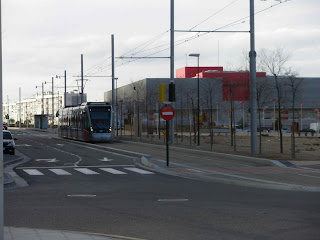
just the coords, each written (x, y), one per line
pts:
(15, 179)
(231, 180)
(266, 161)
(9, 182)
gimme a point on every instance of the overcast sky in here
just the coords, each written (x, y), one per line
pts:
(42, 38)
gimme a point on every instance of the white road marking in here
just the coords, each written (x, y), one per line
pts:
(60, 172)
(59, 144)
(137, 170)
(52, 160)
(33, 172)
(105, 159)
(24, 145)
(86, 171)
(63, 167)
(111, 170)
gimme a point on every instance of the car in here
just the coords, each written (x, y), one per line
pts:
(9, 145)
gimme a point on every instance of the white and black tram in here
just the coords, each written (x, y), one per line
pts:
(89, 122)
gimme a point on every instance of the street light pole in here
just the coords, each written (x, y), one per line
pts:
(198, 95)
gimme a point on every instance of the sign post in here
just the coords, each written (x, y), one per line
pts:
(167, 113)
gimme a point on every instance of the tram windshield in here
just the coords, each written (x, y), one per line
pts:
(100, 117)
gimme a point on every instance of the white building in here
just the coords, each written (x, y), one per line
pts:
(39, 105)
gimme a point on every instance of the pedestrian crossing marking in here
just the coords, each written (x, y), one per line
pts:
(112, 171)
(86, 171)
(34, 172)
(137, 170)
(60, 172)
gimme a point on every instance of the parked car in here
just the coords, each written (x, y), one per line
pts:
(8, 143)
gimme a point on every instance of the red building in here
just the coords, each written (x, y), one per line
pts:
(235, 85)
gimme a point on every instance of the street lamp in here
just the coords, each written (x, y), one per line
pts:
(301, 105)
(198, 56)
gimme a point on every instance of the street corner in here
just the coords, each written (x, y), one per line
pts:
(11, 159)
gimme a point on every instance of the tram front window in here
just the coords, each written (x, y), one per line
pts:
(100, 119)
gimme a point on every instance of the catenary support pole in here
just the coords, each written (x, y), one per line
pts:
(253, 104)
(81, 79)
(112, 75)
(172, 62)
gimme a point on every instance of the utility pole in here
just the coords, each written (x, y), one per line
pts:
(65, 88)
(19, 107)
(81, 79)
(112, 76)
(172, 61)
(253, 104)
(1, 137)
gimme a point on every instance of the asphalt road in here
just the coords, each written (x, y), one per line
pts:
(145, 205)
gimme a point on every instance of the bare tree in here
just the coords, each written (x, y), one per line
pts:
(209, 89)
(273, 62)
(138, 93)
(294, 85)
(263, 91)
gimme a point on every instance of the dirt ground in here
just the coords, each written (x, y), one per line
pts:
(307, 148)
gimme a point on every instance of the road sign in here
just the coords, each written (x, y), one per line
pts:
(167, 113)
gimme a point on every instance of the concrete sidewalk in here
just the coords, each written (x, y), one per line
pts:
(13, 233)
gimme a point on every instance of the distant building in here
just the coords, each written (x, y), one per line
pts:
(33, 106)
(217, 89)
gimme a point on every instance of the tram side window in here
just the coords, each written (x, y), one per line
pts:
(86, 121)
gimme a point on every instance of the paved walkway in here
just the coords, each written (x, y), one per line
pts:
(12, 233)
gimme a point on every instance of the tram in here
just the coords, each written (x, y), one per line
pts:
(89, 122)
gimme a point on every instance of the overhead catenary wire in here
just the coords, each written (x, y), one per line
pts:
(178, 42)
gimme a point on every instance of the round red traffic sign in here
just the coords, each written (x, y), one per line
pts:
(167, 113)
